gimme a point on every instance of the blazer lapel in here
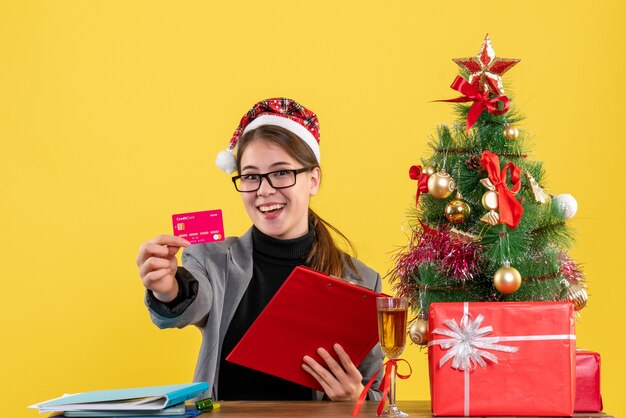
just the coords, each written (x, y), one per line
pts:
(238, 276)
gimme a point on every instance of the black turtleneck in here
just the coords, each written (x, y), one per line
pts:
(273, 261)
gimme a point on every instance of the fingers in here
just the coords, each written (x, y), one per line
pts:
(346, 361)
(319, 373)
(318, 369)
(161, 246)
(153, 263)
(171, 251)
(154, 281)
(334, 367)
(156, 275)
(316, 376)
(157, 265)
(339, 381)
(170, 240)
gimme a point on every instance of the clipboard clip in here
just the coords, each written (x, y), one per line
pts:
(349, 281)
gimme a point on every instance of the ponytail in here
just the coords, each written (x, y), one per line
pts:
(325, 256)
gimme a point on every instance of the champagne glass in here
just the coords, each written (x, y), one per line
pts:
(392, 334)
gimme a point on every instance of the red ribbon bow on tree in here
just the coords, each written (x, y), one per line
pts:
(416, 173)
(511, 210)
(481, 102)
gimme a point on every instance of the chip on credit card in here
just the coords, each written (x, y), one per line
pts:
(199, 227)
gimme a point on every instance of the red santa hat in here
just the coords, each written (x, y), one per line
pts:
(282, 112)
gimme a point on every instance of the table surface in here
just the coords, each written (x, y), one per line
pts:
(415, 409)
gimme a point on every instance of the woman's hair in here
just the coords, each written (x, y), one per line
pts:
(325, 256)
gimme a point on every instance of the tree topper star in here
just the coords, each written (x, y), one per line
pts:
(485, 69)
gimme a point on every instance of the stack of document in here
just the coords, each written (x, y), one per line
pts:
(154, 401)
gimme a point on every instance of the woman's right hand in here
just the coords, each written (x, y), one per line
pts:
(157, 265)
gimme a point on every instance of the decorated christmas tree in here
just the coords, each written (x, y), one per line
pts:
(484, 228)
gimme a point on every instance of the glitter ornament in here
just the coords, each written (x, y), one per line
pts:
(567, 203)
(510, 132)
(419, 331)
(441, 185)
(456, 258)
(463, 236)
(457, 211)
(507, 279)
(491, 218)
(429, 169)
(485, 69)
(569, 269)
(576, 294)
(539, 194)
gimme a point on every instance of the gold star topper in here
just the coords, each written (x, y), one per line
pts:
(485, 69)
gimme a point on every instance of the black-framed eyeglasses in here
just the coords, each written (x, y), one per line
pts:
(279, 179)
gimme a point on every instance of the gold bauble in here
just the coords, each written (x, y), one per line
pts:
(419, 332)
(491, 218)
(507, 279)
(441, 185)
(511, 132)
(429, 170)
(577, 295)
(490, 200)
(457, 211)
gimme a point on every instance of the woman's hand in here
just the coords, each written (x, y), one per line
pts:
(340, 382)
(157, 265)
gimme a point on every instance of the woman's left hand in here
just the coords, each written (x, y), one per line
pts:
(341, 382)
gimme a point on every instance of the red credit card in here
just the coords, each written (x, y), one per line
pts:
(199, 227)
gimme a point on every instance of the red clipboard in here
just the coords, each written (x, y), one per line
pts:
(310, 310)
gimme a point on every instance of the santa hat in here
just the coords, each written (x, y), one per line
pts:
(282, 112)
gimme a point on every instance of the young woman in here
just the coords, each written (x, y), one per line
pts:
(222, 287)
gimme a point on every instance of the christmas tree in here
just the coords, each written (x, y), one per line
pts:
(483, 228)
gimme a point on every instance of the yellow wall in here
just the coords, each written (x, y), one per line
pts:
(111, 113)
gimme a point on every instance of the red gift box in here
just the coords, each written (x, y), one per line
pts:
(588, 398)
(503, 358)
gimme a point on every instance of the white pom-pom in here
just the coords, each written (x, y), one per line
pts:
(226, 161)
(568, 204)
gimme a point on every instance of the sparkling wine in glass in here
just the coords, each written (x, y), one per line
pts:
(392, 334)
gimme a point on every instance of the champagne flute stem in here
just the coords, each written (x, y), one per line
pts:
(392, 391)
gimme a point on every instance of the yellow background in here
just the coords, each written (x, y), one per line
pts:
(111, 114)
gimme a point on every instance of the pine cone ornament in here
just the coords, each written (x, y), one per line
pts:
(473, 164)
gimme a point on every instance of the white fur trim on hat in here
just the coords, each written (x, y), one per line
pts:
(291, 126)
(225, 160)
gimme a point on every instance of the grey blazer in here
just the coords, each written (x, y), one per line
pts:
(223, 271)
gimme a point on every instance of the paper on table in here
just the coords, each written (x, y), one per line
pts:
(175, 410)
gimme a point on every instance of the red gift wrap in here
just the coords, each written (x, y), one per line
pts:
(588, 398)
(502, 358)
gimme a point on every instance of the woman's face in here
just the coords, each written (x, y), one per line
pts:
(279, 213)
